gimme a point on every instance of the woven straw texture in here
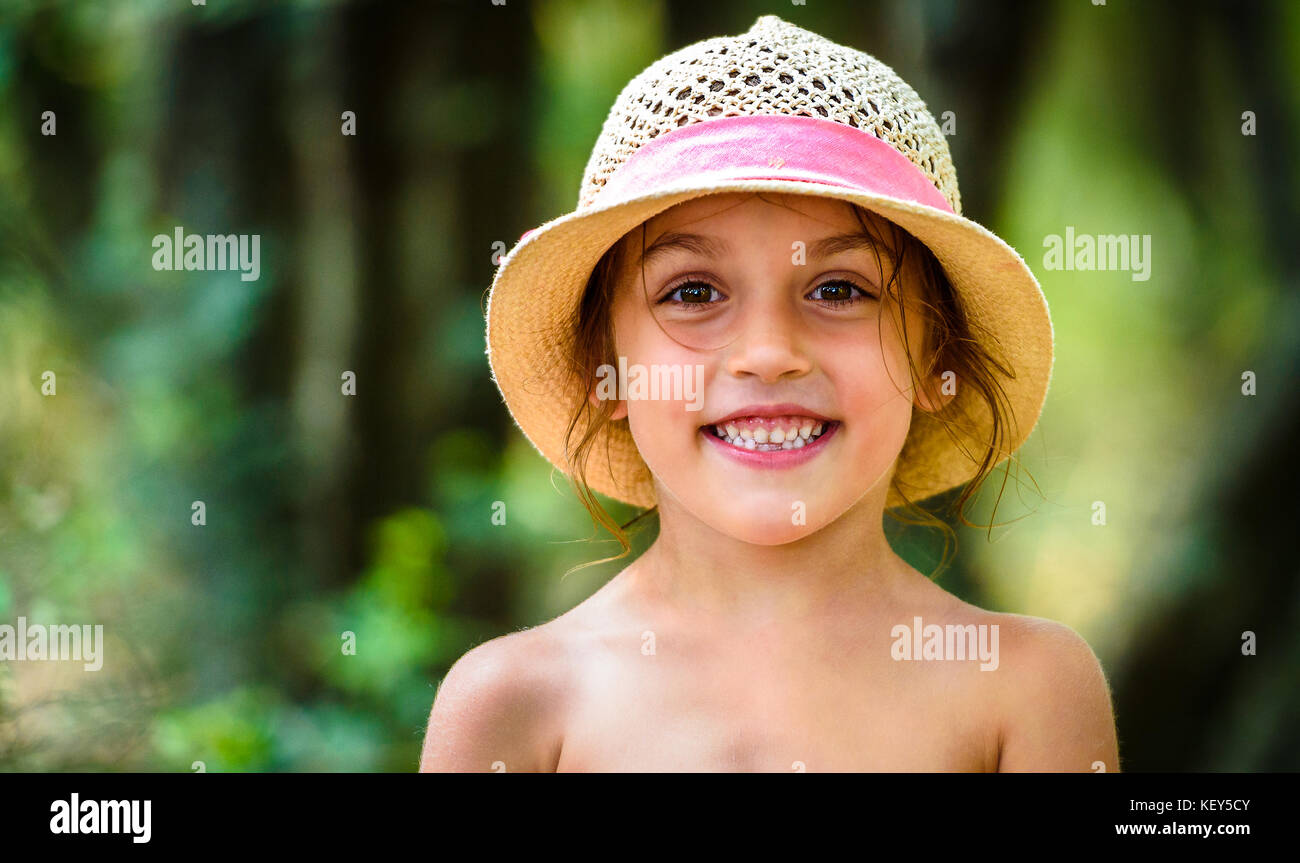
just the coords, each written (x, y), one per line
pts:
(532, 308)
(774, 68)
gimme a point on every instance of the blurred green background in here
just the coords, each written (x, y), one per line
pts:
(372, 514)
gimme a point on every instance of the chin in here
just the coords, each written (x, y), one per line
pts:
(757, 518)
(766, 533)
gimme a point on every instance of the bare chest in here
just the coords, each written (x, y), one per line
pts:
(761, 709)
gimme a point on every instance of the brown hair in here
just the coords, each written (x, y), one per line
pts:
(950, 343)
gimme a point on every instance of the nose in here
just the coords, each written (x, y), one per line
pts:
(770, 343)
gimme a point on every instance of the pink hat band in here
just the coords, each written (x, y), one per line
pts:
(772, 147)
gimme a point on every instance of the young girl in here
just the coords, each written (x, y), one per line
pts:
(768, 322)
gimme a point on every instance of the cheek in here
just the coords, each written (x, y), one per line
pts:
(657, 424)
(872, 390)
(636, 336)
(869, 367)
(903, 339)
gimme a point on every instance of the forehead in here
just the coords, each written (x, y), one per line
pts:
(720, 224)
(734, 217)
(733, 208)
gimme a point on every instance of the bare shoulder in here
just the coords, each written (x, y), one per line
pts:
(503, 706)
(499, 706)
(1052, 699)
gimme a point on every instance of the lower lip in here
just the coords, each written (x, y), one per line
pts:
(775, 458)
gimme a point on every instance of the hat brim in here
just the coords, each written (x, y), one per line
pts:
(538, 285)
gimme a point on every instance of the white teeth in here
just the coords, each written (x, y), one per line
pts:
(762, 439)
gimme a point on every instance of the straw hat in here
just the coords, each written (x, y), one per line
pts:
(775, 109)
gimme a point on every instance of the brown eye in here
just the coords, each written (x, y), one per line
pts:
(692, 293)
(838, 292)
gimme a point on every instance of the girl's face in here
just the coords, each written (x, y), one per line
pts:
(796, 394)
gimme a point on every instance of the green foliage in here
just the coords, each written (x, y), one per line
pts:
(337, 522)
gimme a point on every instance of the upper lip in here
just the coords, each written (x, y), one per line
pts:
(785, 409)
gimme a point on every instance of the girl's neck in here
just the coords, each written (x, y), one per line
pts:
(698, 570)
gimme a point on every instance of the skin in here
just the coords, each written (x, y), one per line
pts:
(743, 640)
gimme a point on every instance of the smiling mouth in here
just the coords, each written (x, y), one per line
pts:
(770, 434)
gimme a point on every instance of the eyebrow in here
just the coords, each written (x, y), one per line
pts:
(673, 241)
(851, 242)
(715, 247)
